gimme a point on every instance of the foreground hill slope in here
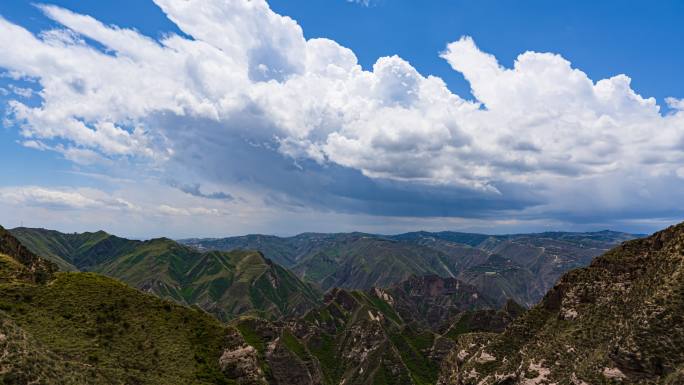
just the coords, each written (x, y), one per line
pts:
(620, 320)
(82, 328)
(226, 284)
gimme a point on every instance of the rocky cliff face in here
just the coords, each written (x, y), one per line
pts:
(29, 266)
(433, 301)
(620, 320)
(349, 340)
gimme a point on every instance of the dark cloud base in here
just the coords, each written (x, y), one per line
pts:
(247, 158)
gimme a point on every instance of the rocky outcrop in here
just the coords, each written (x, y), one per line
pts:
(276, 355)
(361, 337)
(287, 368)
(240, 361)
(617, 321)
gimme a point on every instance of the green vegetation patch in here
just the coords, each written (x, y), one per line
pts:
(130, 337)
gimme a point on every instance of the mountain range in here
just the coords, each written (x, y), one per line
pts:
(522, 267)
(86, 328)
(278, 277)
(617, 320)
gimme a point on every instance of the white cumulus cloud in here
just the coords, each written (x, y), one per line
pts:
(248, 83)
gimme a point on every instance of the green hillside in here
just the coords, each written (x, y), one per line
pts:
(73, 252)
(113, 332)
(83, 328)
(225, 284)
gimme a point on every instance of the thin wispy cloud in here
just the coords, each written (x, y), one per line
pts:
(365, 3)
(64, 198)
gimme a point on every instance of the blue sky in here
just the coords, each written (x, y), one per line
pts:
(639, 38)
(354, 167)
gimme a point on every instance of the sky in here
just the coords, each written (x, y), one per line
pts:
(189, 118)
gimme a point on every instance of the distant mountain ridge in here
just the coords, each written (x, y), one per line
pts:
(240, 277)
(518, 266)
(294, 248)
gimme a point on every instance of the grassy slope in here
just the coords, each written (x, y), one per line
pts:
(73, 252)
(224, 283)
(51, 245)
(24, 359)
(126, 336)
(78, 328)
